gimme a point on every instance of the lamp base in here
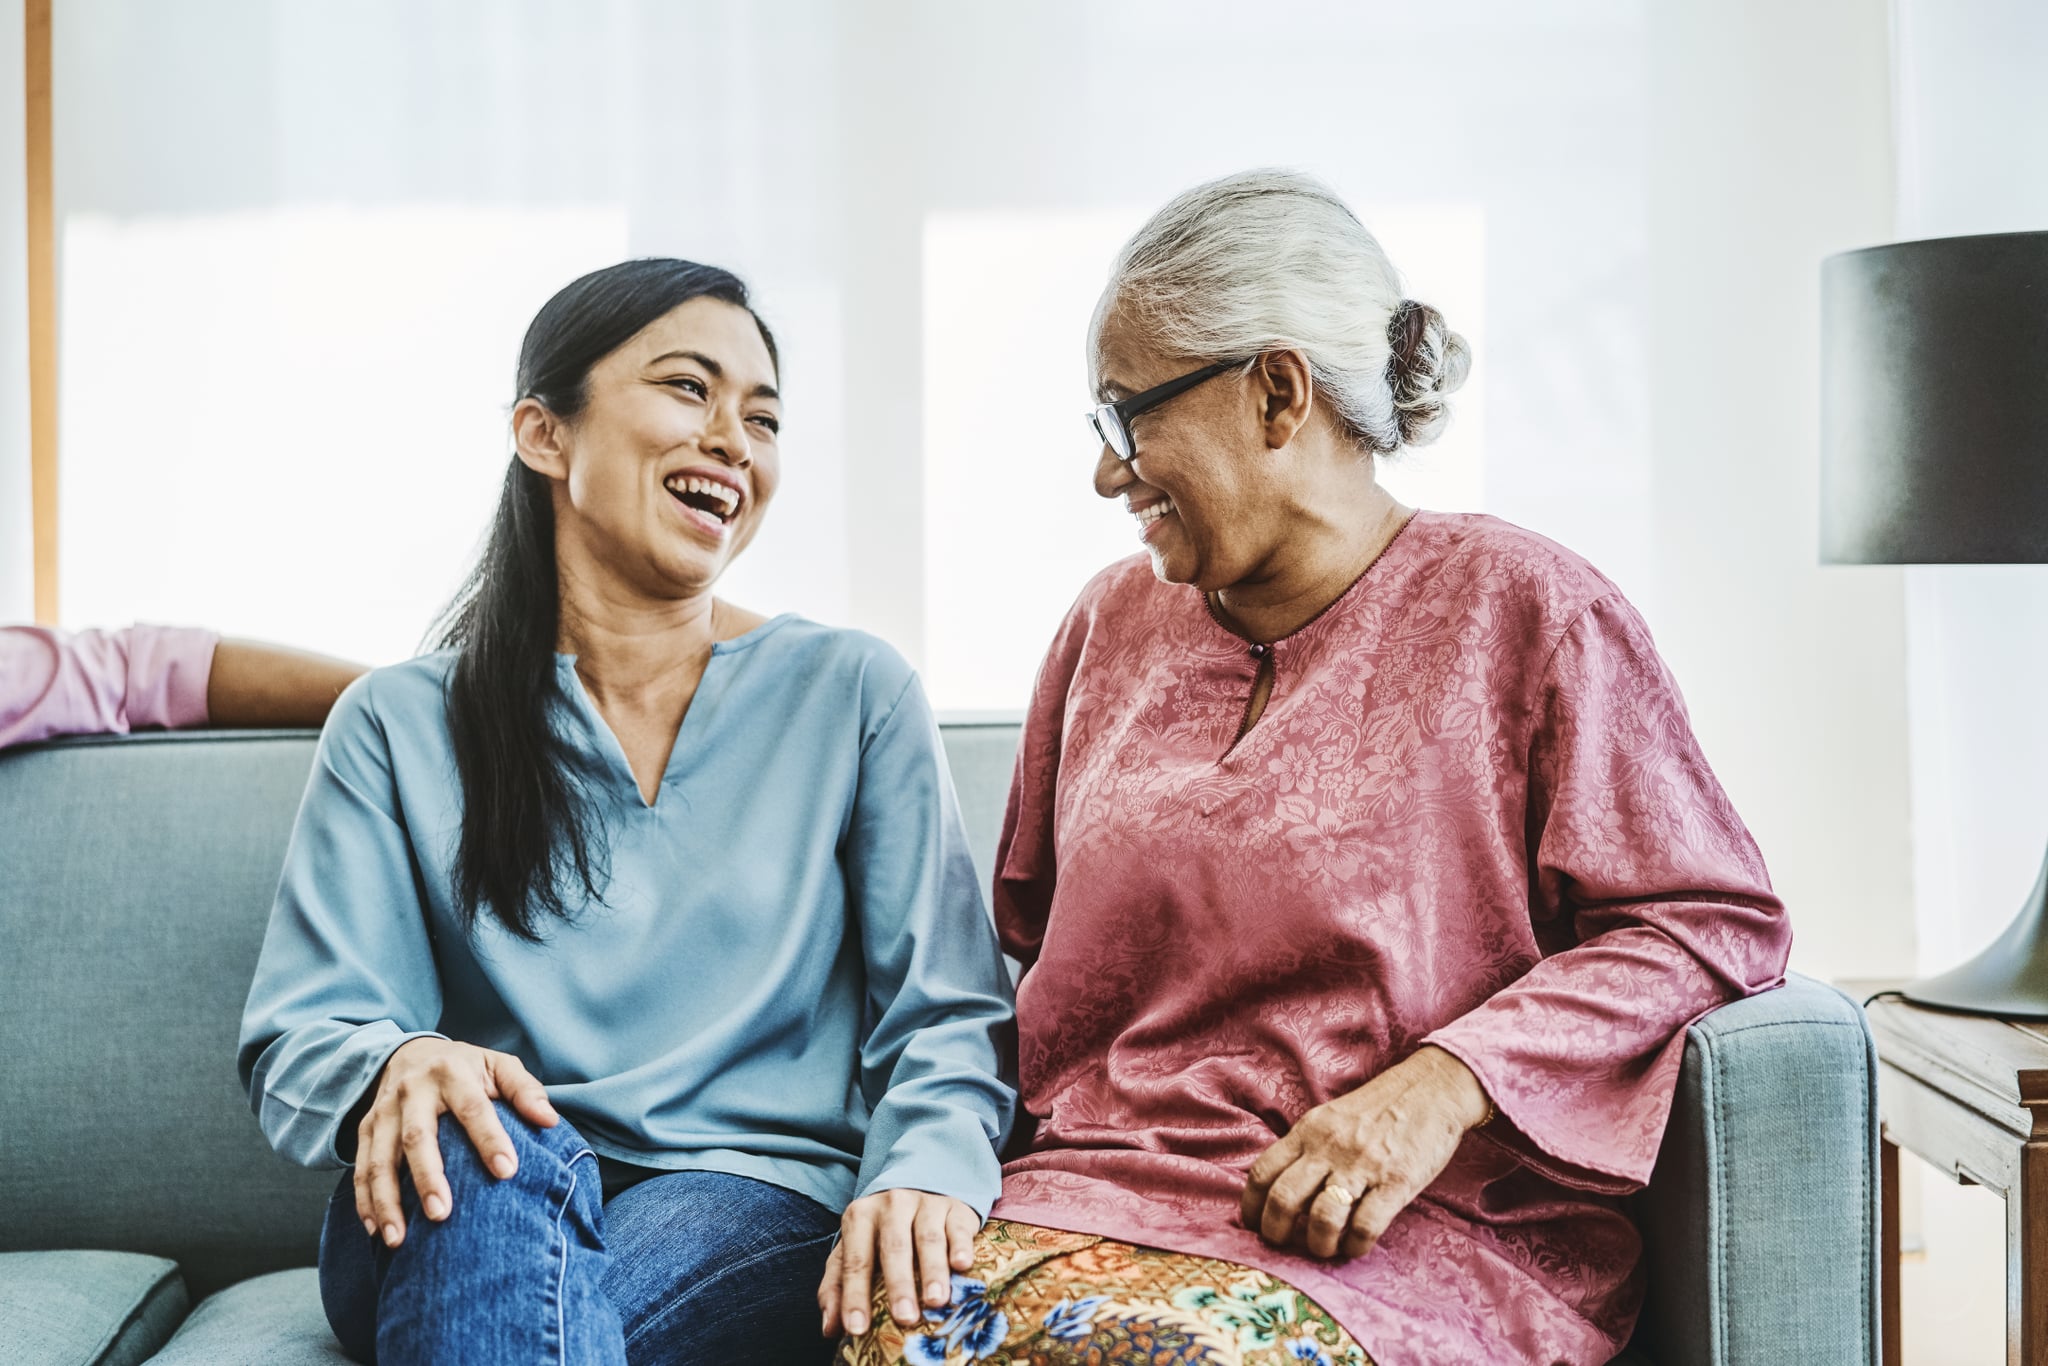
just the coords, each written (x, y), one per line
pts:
(2009, 979)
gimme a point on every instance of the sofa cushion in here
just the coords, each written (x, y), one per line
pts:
(273, 1320)
(136, 877)
(87, 1308)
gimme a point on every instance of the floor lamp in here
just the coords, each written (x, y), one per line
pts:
(1934, 450)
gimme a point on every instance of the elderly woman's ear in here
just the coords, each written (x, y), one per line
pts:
(1286, 388)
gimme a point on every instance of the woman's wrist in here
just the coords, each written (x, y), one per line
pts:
(1474, 1108)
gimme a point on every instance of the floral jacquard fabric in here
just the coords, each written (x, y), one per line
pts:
(1472, 814)
(1041, 1297)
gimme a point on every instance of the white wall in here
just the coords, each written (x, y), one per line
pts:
(1972, 118)
(17, 552)
(1970, 110)
(811, 145)
(1770, 126)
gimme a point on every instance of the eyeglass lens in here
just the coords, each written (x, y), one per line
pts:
(1112, 431)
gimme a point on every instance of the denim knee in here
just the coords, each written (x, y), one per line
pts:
(541, 1152)
(513, 1273)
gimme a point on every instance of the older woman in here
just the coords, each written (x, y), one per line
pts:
(1363, 865)
(629, 947)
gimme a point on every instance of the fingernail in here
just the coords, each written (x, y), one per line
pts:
(436, 1207)
(904, 1309)
(370, 1227)
(856, 1323)
(503, 1165)
(391, 1235)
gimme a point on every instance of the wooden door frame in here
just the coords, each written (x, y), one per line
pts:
(42, 311)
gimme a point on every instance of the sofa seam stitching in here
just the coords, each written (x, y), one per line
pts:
(1718, 1204)
(1730, 1032)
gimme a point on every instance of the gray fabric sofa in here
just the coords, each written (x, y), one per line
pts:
(142, 1218)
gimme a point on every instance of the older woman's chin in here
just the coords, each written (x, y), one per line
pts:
(1168, 567)
(1173, 559)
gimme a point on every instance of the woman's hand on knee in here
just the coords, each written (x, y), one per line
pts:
(422, 1080)
(1347, 1167)
(915, 1237)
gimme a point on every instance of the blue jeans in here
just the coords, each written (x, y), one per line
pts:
(681, 1267)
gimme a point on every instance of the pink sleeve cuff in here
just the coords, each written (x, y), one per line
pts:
(101, 682)
(169, 668)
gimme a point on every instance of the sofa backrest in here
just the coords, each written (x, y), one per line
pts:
(136, 877)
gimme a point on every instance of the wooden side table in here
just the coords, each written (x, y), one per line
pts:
(1970, 1095)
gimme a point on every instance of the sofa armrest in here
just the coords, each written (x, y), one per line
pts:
(1760, 1221)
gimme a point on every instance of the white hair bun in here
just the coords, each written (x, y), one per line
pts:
(1426, 362)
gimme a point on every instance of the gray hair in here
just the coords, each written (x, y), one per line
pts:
(1273, 260)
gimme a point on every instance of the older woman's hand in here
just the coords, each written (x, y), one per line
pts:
(1348, 1167)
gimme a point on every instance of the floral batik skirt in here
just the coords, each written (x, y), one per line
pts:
(1040, 1297)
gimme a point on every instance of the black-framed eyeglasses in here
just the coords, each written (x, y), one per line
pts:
(1112, 421)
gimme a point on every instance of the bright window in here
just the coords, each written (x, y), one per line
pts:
(292, 423)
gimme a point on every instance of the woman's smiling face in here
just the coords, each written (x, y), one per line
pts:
(665, 474)
(1199, 486)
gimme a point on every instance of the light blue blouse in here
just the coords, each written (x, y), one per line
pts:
(791, 975)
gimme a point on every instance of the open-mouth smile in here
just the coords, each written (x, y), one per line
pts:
(709, 503)
(1149, 515)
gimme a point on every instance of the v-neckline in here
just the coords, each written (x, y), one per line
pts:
(602, 728)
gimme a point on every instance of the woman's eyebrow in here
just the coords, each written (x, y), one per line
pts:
(715, 370)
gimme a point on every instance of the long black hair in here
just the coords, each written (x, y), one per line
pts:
(530, 841)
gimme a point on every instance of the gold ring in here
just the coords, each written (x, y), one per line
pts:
(1349, 1198)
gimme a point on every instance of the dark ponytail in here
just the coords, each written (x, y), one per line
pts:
(531, 844)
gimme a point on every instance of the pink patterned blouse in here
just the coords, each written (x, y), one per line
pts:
(91, 682)
(1473, 814)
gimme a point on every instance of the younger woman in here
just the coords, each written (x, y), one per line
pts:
(626, 940)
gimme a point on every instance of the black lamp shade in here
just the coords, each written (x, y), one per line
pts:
(1934, 402)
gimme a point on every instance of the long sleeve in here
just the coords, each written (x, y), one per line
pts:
(347, 970)
(932, 1065)
(1025, 853)
(1650, 902)
(98, 682)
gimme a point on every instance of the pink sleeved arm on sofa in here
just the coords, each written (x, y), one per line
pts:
(92, 682)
